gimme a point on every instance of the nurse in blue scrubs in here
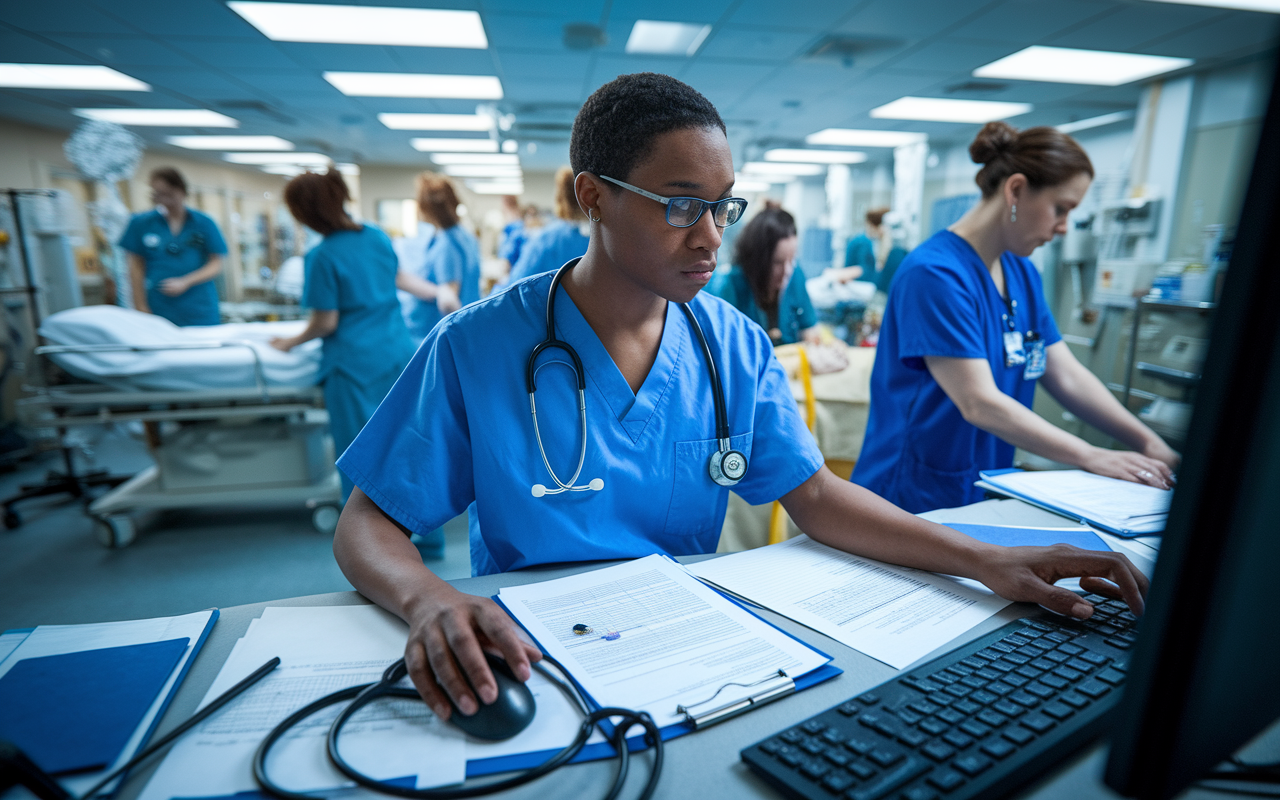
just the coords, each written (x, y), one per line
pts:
(564, 239)
(655, 176)
(763, 282)
(967, 334)
(174, 253)
(351, 290)
(450, 277)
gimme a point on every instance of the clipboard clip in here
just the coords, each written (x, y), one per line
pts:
(776, 685)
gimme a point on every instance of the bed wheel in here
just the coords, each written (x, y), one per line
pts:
(325, 519)
(12, 520)
(115, 531)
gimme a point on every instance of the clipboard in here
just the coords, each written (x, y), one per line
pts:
(986, 485)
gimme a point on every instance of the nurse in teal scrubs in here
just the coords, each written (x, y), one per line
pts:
(655, 176)
(450, 277)
(967, 334)
(351, 290)
(174, 254)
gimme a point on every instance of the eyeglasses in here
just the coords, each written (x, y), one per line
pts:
(682, 212)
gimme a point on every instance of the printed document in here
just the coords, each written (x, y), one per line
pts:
(647, 635)
(893, 614)
(1109, 502)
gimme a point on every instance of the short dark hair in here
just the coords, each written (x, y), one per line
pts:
(1046, 156)
(316, 201)
(753, 253)
(615, 128)
(170, 177)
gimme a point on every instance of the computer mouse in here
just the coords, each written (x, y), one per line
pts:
(510, 713)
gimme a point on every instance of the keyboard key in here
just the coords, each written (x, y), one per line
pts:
(988, 673)
(973, 663)
(1068, 674)
(983, 697)
(1032, 651)
(921, 684)
(772, 746)
(793, 736)
(1043, 664)
(1000, 688)
(959, 671)
(972, 765)
(849, 709)
(924, 707)
(974, 682)
(1054, 681)
(1029, 632)
(990, 653)
(1107, 630)
(1093, 688)
(813, 727)
(958, 740)
(837, 757)
(885, 758)
(946, 780)
(975, 729)
(1016, 640)
(1018, 658)
(1029, 671)
(998, 748)
(859, 746)
(1119, 644)
(1036, 624)
(1037, 722)
(833, 736)
(967, 707)
(1003, 666)
(837, 782)
(892, 780)
(1040, 690)
(790, 756)
(993, 718)
(957, 690)
(1111, 676)
(1018, 736)
(912, 738)
(1057, 656)
(869, 699)
(1079, 665)
(920, 793)
(1001, 647)
(1058, 636)
(908, 716)
(815, 770)
(1058, 711)
(1008, 709)
(862, 769)
(951, 716)
(1016, 680)
(813, 747)
(1097, 659)
(938, 751)
(1075, 700)
(934, 726)
(1070, 649)
(945, 678)
(1024, 699)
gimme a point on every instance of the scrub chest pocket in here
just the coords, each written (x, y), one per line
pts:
(696, 502)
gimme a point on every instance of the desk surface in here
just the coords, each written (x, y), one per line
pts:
(704, 764)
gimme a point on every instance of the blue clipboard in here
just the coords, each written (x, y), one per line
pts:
(987, 486)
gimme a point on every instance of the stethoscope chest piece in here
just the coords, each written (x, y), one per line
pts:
(727, 466)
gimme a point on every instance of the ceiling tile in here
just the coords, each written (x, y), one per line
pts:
(441, 60)
(66, 16)
(1025, 22)
(184, 18)
(1218, 39)
(907, 19)
(755, 44)
(1135, 23)
(527, 31)
(236, 55)
(341, 57)
(122, 52)
(816, 16)
(953, 55)
(20, 48)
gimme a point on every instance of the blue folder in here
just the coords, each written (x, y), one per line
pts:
(75, 712)
(984, 482)
(1043, 537)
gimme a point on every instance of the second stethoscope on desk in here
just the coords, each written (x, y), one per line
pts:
(726, 466)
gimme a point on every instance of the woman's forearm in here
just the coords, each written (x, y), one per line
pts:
(419, 288)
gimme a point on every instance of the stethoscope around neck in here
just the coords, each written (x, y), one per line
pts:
(726, 466)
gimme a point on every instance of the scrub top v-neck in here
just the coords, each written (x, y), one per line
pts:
(456, 429)
(167, 255)
(919, 452)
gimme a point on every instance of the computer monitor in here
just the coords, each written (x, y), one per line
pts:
(1205, 674)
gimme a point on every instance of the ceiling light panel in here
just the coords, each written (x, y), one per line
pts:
(288, 170)
(405, 84)
(1268, 6)
(300, 159)
(160, 117)
(816, 156)
(746, 183)
(505, 159)
(67, 76)
(1094, 122)
(454, 145)
(1068, 65)
(412, 27)
(756, 168)
(937, 109)
(496, 187)
(849, 137)
(482, 171)
(666, 38)
(436, 122)
(230, 142)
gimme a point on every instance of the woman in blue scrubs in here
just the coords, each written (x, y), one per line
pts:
(351, 290)
(175, 252)
(564, 239)
(967, 333)
(654, 174)
(763, 282)
(450, 275)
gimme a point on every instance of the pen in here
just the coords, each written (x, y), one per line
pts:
(200, 716)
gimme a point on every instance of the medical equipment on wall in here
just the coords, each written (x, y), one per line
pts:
(726, 465)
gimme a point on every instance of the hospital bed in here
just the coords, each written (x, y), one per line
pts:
(229, 420)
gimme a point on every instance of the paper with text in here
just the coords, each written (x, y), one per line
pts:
(1110, 502)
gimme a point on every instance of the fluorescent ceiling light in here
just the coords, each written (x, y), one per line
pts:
(482, 171)
(756, 168)
(816, 156)
(496, 187)
(160, 117)
(1269, 6)
(455, 145)
(937, 109)
(288, 170)
(1094, 122)
(476, 158)
(1068, 65)
(414, 27)
(510, 146)
(230, 142)
(301, 159)
(350, 170)
(437, 122)
(67, 76)
(407, 84)
(746, 184)
(666, 38)
(848, 137)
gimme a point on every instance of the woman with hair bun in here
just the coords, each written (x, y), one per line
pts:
(451, 272)
(564, 239)
(351, 290)
(967, 333)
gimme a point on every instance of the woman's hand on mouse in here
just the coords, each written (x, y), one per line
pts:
(1028, 574)
(449, 633)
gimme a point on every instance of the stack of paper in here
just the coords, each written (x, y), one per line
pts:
(1120, 507)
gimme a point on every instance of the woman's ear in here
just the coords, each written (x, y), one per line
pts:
(1015, 189)
(586, 188)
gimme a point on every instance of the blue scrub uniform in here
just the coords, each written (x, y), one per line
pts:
(511, 241)
(354, 273)
(861, 252)
(453, 255)
(456, 429)
(919, 452)
(169, 256)
(795, 309)
(549, 249)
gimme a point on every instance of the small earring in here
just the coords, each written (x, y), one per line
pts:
(1013, 216)
(593, 219)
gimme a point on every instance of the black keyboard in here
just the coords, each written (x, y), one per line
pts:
(981, 721)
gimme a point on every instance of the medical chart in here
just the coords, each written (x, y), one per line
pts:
(893, 614)
(1112, 503)
(647, 635)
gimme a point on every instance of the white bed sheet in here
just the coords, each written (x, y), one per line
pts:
(177, 370)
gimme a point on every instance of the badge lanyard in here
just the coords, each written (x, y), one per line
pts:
(1027, 353)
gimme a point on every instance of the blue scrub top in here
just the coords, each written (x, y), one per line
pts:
(795, 309)
(861, 252)
(354, 273)
(549, 249)
(453, 255)
(456, 429)
(511, 241)
(919, 452)
(169, 256)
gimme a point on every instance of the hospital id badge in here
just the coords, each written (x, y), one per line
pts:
(1035, 358)
(1013, 352)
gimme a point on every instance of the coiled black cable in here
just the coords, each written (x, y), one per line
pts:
(363, 694)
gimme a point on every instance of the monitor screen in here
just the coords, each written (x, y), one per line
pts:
(1205, 674)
